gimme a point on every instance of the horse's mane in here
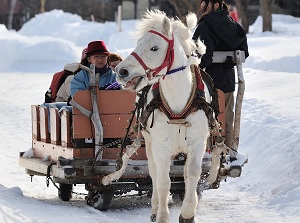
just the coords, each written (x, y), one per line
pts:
(153, 20)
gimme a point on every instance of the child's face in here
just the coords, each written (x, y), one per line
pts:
(114, 64)
(99, 60)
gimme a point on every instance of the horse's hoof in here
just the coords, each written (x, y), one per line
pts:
(153, 218)
(185, 220)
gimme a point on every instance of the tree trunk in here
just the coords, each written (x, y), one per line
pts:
(242, 6)
(11, 14)
(182, 7)
(43, 2)
(266, 11)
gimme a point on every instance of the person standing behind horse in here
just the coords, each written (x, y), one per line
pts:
(219, 32)
(97, 53)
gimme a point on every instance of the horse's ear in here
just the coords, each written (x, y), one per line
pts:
(166, 26)
(191, 20)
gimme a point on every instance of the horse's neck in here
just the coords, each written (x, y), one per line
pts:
(176, 87)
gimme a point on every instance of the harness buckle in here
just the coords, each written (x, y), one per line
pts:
(181, 122)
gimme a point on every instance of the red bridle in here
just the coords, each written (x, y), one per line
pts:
(169, 58)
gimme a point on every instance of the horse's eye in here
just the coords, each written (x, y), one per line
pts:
(155, 48)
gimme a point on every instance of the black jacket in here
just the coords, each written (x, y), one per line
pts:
(220, 32)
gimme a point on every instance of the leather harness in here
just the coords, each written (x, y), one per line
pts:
(196, 101)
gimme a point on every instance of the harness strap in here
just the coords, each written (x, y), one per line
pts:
(155, 103)
(199, 80)
(212, 91)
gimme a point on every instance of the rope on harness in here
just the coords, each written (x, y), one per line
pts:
(126, 136)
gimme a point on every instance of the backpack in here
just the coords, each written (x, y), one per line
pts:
(57, 80)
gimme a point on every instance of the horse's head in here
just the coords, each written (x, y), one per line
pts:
(162, 42)
(146, 60)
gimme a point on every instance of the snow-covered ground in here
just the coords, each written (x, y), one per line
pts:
(267, 191)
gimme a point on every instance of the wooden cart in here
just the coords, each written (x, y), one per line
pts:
(64, 146)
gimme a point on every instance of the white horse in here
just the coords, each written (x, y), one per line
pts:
(163, 54)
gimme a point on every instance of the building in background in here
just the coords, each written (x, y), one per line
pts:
(106, 10)
(91, 10)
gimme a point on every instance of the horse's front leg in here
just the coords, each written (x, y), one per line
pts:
(153, 175)
(192, 175)
(163, 183)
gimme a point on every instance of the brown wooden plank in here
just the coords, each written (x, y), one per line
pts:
(113, 154)
(110, 102)
(44, 127)
(55, 126)
(42, 150)
(35, 120)
(113, 126)
(65, 124)
(115, 110)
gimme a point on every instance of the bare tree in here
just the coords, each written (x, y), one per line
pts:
(242, 6)
(266, 11)
(182, 7)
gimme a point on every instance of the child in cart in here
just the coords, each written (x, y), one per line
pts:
(97, 53)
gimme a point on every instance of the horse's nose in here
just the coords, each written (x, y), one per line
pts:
(123, 73)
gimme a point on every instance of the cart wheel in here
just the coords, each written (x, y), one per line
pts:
(100, 200)
(104, 201)
(65, 191)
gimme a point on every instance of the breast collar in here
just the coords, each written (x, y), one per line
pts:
(197, 85)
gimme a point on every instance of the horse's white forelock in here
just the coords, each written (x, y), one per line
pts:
(153, 20)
